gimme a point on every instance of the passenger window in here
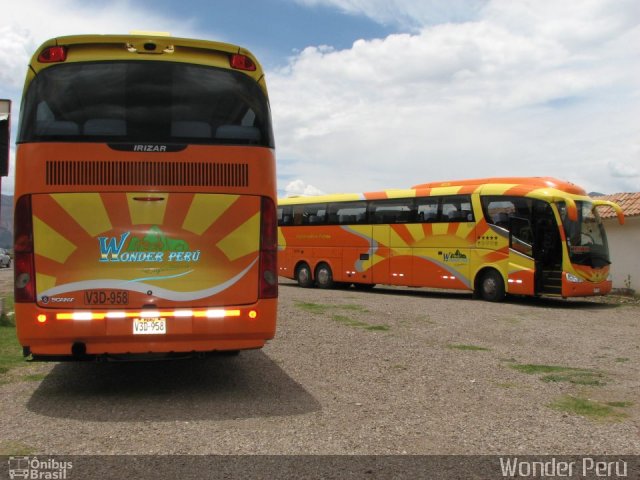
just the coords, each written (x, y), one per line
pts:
(427, 209)
(347, 213)
(391, 211)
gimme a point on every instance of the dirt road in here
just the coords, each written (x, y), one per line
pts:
(390, 371)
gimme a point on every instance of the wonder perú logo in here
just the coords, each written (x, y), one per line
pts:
(155, 247)
(456, 257)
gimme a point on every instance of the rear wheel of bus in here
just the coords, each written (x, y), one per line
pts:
(324, 276)
(303, 275)
(491, 286)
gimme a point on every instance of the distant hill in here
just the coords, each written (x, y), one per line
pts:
(6, 221)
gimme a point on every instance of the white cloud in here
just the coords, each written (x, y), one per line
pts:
(537, 88)
(624, 170)
(299, 187)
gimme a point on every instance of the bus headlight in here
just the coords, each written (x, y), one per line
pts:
(573, 278)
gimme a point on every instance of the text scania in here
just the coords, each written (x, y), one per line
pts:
(588, 467)
(154, 247)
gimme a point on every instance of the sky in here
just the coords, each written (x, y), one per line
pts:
(368, 95)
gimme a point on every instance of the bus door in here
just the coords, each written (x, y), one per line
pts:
(547, 249)
(511, 220)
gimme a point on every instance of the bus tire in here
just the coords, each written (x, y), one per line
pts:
(491, 286)
(303, 276)
(324, 276)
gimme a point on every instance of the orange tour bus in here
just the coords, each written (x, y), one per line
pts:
(492, 236)
(145, 216)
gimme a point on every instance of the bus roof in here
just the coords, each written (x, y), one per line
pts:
(541, 182)
(540, 187)
(144, 46)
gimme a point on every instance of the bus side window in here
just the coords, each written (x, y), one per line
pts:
(347, 213)
(456, 208)
(284, 216)
(391, 211)
(427, 210)
(314, 214)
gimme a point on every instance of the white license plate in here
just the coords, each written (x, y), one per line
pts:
(596, 290)
(149, 326)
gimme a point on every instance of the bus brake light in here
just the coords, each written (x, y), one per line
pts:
(53, 55)
(242, 62)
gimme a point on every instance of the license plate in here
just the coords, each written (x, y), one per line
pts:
(149, 326)
(106, 297)
(596, 290)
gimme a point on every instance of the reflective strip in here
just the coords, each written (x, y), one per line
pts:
(211, 313)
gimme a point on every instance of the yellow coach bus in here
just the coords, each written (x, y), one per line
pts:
(145, 218)
(493, 236)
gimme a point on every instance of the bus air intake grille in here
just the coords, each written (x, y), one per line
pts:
(147, 174)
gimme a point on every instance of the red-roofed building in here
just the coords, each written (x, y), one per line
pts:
(624, 240)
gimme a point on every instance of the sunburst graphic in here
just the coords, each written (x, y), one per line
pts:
(178, 246)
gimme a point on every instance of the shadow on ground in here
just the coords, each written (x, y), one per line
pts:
(216, 388)
(594, 303)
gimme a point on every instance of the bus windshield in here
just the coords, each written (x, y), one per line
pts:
(586, 237)
(142, 101)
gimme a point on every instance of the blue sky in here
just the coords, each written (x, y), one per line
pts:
(374, 94)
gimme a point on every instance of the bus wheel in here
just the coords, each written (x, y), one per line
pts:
(492, 286)
(324, 276)
(303, 276)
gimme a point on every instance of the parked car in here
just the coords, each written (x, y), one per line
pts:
(5, 259)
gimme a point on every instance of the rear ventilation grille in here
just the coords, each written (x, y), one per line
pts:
(148, 174)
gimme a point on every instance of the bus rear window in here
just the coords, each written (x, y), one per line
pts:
(145, 101)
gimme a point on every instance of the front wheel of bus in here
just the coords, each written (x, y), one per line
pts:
(303, 276)
(492, 286)
(324, 276)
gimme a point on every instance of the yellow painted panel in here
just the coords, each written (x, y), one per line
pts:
(445, 190)
(49, 243)
(440, 228)
(243, 240)
(205, 210)
(497, 188)
(464, 229)
(377, 259)
(394, 193)
(45, 282)
(396, 240)
(282, 242)
(416, 231)
(87, 209)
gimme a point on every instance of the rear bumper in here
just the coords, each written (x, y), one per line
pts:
(114, 336)
(584, 288)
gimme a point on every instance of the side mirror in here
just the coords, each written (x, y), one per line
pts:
(5, 136)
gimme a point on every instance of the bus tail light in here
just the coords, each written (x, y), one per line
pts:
(23, 270)
(268, 286)
(242, 62)
(53, 55)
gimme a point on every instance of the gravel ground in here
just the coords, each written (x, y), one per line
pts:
(389, 371)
